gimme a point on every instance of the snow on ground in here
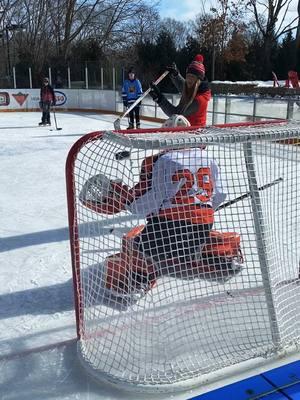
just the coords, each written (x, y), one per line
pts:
(36, 292)
(37, 323)
(255, 83)
(37, 305)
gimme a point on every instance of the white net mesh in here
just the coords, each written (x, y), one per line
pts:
(174, 303)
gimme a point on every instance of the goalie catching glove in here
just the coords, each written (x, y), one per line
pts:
(103, 195)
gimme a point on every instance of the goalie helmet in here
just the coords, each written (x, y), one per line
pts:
(176, 120)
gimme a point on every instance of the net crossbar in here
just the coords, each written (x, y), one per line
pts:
(155, 325)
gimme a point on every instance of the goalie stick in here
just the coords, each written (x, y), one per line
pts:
(117, 123)
(248, 194)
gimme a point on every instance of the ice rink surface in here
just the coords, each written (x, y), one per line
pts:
(37, 322)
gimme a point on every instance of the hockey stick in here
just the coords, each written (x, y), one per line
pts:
(128, 117)
(117, 123)
(58, 129)
(275, 80)
(248, 194)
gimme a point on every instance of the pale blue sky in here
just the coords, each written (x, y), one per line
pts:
(183, 10)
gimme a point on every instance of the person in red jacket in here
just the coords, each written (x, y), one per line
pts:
(195, 93)
(47, 99)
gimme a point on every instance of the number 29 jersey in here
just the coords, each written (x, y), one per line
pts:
(185, 184)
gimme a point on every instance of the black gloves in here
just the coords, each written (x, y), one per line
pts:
(155, 93)
(172, 69)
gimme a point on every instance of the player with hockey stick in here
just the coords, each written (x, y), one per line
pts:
(47, 99)
(177, 194)
(131, 91)
(195, 93)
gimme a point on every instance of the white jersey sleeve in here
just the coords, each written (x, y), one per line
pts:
(162, 190)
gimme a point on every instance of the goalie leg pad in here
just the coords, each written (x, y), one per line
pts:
(129, 276)
(222, 256)
(220, 259)
(130, 272)
(227, 244)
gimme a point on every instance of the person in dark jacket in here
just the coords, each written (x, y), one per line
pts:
(47, 99)
(195, 93)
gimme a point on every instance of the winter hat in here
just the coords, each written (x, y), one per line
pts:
(199, 58)
(196, 67)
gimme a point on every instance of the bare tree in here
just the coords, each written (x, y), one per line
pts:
(179, 31)
(274, 24)
(34, 42)
(8, 10)
(142, 26)
(52, 27)
(214, 31)
(101, 19)
(128, 35)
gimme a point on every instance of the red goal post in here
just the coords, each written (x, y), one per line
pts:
(184, 332)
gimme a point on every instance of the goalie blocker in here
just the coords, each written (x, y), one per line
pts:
(178, 239)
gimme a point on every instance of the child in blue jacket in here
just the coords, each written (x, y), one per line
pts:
(131, 91)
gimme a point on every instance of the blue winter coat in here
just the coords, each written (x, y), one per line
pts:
(131, 91)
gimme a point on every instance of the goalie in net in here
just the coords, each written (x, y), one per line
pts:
(177, 193)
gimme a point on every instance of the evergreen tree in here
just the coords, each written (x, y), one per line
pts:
(286, 58)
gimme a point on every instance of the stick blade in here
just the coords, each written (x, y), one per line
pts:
(117, 124)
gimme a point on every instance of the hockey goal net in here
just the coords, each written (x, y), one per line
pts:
(175, 320)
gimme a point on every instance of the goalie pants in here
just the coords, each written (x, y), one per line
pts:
(163, 239)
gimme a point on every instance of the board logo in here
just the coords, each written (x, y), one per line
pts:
(20, 98)
(60, 98)
(4, 99)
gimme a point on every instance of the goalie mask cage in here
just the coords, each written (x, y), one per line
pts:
(185, 332)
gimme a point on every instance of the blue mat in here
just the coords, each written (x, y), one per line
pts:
(281, 383)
